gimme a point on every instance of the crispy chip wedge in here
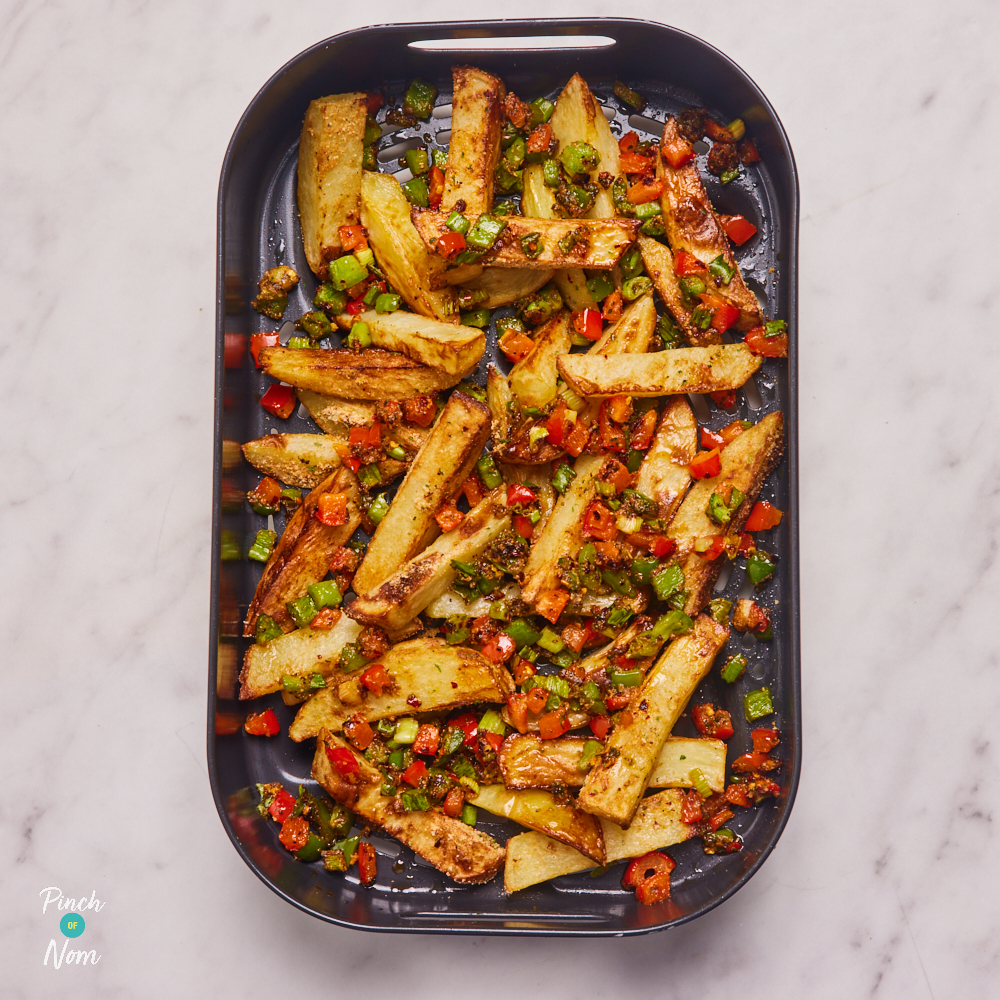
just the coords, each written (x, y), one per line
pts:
(663, 475)
(450, 347)
(659, 264)
(533, 379)
(297, 459)
(460, 851)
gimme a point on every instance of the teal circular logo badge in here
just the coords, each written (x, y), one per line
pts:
(72, 925)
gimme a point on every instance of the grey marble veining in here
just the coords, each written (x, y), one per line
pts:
(115, 118)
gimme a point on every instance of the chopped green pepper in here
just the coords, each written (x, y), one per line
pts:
(479, 318)
(359, 335)
(668, 581)
(531, 245)
(419, 99)
(329, 299)
(551, 174)
(302, 610)
(488, 472)
(563, 476)
(315, 324)
(326, 594)
(634, 287)
(600, 287)
(378, 509)
(266, 630)
(418, 161)
(733, 668)
(417, 193)
(523, 632)
(760, 567)
(458, 223)
(628, 96)
(757, 704)
(484, 233)
(541, 111)
(719, 609)
(388, 302)
(775, 327)
(262, 545)
(345, 272)
(721, 269)
(579, 158)
(590, 750)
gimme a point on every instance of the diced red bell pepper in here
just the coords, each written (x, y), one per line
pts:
(332, 509)
(653, 863)
(767, 347)
(420, 410)
(616, 474)
(428, 736)
(521, 523)
(415, 773)
(619, 408)
(712, 721)
(628, 142)
(282, 805)
(721, 817)
(706, 464)
(352, 237)
(749, 762)
(574, 635)
(611, 307)
(717, 132)
(373, 101)
(654, 889)
(710, 546)
(523, 669)
(686, 264)
(449, 517)
(588, 323)
(576, 440)
(677, 152)
(376, 679)
(643, 430)
(731, 432)
(645, 190)
(518, 493)
(469, 725)
(599, 522)
(737, 795)
(517, 711)
(449, 244)
(709, 439)
(537, 698)
(367, 867)
(550, 605)
(633, 163)
(600, 726)
(325, 618)
(613, 437)
(552, 725)
(540, 138)
(662, 546)
(357, 730)
(266, 494)
(500, 648)
(472, 490)
(294, 833)
(765, 740)
(725, 399)
(356, 306)
(262, 723)
(747, 544)
(763, 516)
(616, 701)
(435, 186)
(279, 400)
(724, 317)
(352, 463)
(453, 802)
(258, 341)
(737, 228)
(515, 345)
(343, 761)
(495, 740)
(691, 807)
(366, 437)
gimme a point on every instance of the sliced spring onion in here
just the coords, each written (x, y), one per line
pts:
(489, 473)
(550, 641)
(387, 303)
(369, 475)
(492, 723)
(469, 815)
(360, 335)
(378, 509)
(590, 750)
(721, 269)
(406, 730)
(262, 545)
(266, 630)
(562, 478)
(700, 782)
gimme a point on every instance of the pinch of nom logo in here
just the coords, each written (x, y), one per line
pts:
(71, 925)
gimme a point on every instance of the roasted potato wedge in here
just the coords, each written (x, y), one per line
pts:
(460, 851)
(663, 475)
(334, 414)
(533, 380)
(659, 264)
(693, 226)
(474, 146)
(301, 653)
(745, 463)
(686, 369)
(632, 334)
(503, 286)
(440, 677)
(429, 574)
(450, 347)
(563, 534)
(540, 810)
(434, 477)
(532, 857)
(620, 775)
(329, 181)
(579, 118)
(370, 374)
(593, 243)
(417, 275)
(501, 403)
(572, 285)
(681, 754)
(537, 199)
(297, 459)
(302, 555)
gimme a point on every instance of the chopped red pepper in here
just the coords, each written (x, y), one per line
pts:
(550, 605)
(428, 736)
(628, 142)
(552, 725)
(767, 347)
(357, 730)
(262, 723)
(599, 522)
(643, 430)
(522, 525)
(500, 648)
(765, 740)
(344, 762)
(279, 400)
(367, 867)
(517, 711)
(266, 494)
(435, 186)
(725, 399)
(731, 432)
(633, 163)
(517, 493)
(654, 889)
(332, 509)
(662, 546)
(737, 795)
(325, 618)
(294, 833)
(537, 697)
(352, 237)
(356, 306)
(763, 516)
(453, 802)
(469, 725)
(619, 408)
(691, 807)
(376, 679)
(472, 488)
(420, 410)
(654, 863)
(611, 308)
(449, 517)
(577, 439)
(258, 341)
(750, 762)
(415, 773)
(516, 345)
(721, 817)
(616, 701)
(600, 726)
(495, 740)
(747, 544)
(645, 190)
(373, 101)
(677, 151)
(616, 474)
(710, 546)
(724, 317)
(574, 635)
(705, 464)
(709, 439)
(686, 264)
(613, 438)
(449, 244)
(588, 323)
(523, 669)
(540, 138)
(281, 805)
(737, 228)
(712, 721)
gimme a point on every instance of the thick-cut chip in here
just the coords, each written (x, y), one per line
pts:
(682, 754)
(452, 348)
(686, 369)
(563, 534)
(301, 653)
(594, 243)
(417, 275)
(500, 400)
(460, 851)
(503, 286)
(533, 857)
(579, 118)
(663, 475)
(302, 555)
(745, 463)
(617, 780)
(474, 146)
(542, 811)
(435, 476)
(337, 416)
(297, 459)
(427, 675)
(370, 374)
(430, 573)
(533, 380)
(659, 264)
(632, 334)
(692, 226)
(329, 181)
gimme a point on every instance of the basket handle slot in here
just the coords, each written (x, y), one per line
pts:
(507, 42)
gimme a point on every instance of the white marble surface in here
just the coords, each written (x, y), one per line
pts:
(115, 118)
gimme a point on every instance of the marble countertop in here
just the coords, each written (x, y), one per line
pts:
(115, 119)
